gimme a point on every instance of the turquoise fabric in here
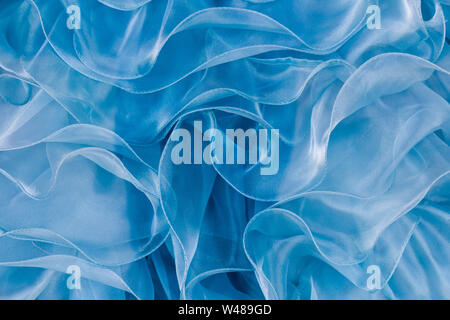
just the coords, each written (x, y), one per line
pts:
(88, 116)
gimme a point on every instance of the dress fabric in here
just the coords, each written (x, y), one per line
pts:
(92, 93)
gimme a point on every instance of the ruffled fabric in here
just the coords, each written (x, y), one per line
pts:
(88, 117)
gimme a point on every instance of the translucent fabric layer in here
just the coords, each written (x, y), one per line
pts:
(119, 180)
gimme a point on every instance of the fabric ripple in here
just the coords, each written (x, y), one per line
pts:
(103, 195)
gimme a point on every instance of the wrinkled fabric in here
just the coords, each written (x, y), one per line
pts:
(87, 117)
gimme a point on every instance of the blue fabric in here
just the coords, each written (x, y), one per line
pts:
(87, 121)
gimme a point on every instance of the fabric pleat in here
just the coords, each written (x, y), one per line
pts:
(96, 97)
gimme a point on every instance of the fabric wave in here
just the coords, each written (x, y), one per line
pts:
(90, 114)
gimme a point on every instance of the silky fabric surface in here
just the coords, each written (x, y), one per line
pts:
(87, 120)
